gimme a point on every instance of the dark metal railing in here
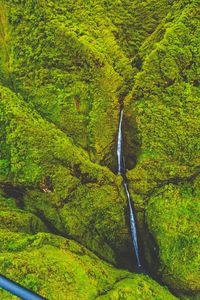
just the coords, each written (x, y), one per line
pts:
(18, 290)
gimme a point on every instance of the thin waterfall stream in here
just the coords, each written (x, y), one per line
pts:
(122, 172)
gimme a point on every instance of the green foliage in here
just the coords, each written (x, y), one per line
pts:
(55, 172)
(75, 63)
(65, 68)
(68, 73)
(4, 169)
(165, 103)
(18, 220)
(164, 109)
(59, 268)
(6, 54)
(173, 214)
(137, 288)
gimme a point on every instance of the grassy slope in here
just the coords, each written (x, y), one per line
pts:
(59, 268)
(64, 67)
(58, 181)
(164, 107)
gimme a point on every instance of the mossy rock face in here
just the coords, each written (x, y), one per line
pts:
(71, 61)
(172, 216)
(138, 287)
(164, 107)
(74, 196)
(14, 219)
(93, 215)
(65, 69)
(58, 268)
(163, 114)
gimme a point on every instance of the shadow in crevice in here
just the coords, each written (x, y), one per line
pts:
(16, 192)
(131, 140)
(149, 249)
(126, 259)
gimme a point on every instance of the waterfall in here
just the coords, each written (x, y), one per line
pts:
(133, 226)
(121, 171)
(119, 147)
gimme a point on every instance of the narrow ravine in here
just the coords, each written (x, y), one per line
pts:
(122, 172)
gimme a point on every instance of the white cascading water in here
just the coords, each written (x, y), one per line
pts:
(133, 226)
(119, 147)
(121, 171)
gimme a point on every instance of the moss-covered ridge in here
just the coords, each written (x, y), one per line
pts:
(164, 101)
(59, 268)
(64, 68)
(163, 109)
(59, 183)
(65, 61)
(18, 220)
(172, 216)
(72, 60)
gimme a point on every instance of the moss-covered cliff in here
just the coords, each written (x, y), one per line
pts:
(66, 68)
(163, 107)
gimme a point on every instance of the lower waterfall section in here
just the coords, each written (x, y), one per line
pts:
(133, 226)
(122, 172)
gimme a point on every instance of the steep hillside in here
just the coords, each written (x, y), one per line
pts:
(163, 108)
(66, 70)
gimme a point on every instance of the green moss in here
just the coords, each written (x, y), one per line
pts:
(164, 104)
(59, 268)
(65, 67)
(138, 287)
(98, 218)
(172, 215)
(18, 220)
(74, 77)
(72, 83)
(164, 115)
(61, 181)
(6, 54)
